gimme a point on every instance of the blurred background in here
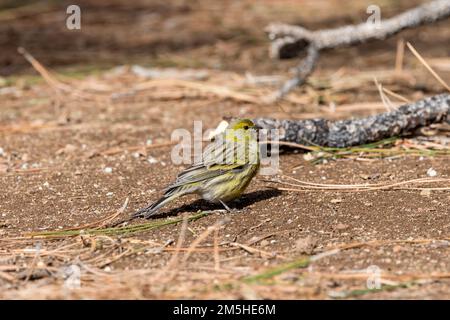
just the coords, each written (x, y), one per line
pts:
(196, 33)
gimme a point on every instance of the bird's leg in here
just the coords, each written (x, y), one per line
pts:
(225, 206)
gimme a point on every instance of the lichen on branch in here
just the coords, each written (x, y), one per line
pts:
(351, 132)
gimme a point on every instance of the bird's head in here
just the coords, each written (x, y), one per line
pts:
(241, 136)
(241, 129)
(242, 124)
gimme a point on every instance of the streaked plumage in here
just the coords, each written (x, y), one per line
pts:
(226, 169)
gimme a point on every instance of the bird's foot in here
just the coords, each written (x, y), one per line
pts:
(145, 213)
(230, 210)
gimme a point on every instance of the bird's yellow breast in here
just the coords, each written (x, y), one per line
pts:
(229, 186)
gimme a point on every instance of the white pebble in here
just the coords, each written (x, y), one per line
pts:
(108, 170)
(431, 172)
(2, 152)
(152, 160)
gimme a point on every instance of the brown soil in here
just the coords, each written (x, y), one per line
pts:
(52, 173)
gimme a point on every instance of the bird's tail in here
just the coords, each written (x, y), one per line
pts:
(153, 208)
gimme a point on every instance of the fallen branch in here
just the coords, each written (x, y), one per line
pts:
(302, 72)
(289, 41)
(345, 133)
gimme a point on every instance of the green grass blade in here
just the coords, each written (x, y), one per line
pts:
(125, 230)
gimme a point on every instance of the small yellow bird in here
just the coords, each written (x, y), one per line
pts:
(228, 165)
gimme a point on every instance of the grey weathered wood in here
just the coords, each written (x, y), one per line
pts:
(352, 132)
(290, 41)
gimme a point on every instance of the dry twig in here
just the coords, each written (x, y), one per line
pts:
(352, 132)
(290, 41)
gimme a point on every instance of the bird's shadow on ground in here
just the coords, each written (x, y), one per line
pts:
(238, 204)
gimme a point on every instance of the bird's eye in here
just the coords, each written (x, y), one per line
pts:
(245, 127)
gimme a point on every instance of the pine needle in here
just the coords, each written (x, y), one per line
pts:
(422, 60)
(124, 230)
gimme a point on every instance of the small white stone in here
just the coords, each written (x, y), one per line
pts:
(46, 184)
(431, 172)
(308, 157)
(152, 160)
(220, 128)
(110, 194)
(2, 152)
(108, 170)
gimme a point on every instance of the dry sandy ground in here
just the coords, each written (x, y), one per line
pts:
(56, 149)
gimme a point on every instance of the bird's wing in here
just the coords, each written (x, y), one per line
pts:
(199, 173)
(210, 166)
